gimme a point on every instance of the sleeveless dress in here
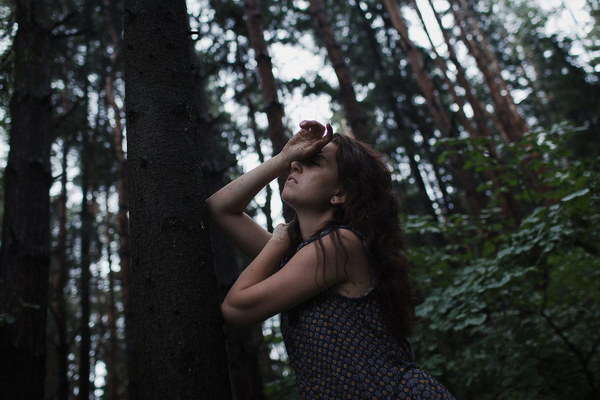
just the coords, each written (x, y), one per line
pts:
(339, 348)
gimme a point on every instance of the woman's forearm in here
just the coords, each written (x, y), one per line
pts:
(235, 196)
(263, 266)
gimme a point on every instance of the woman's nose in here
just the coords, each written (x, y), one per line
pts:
(295, 166)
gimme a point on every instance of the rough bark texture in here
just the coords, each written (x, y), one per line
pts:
(25, 253)
(174, 291)
(354, 114)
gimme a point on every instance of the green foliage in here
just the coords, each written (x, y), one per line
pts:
(511, 308)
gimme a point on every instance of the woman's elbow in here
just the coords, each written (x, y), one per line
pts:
(233, 316)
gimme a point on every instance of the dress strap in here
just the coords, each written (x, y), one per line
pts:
(327, 231)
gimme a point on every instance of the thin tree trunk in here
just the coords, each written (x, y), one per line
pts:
(266, 209)
(391, 98)
(268, 83)
(443, 66)
(84, 284)
(112, 357)
(352, 109)
(174, 290)
(514, 126)
(122, 191)
(59, 281)
(25, 252)
(441, 120)
(480, 115)
(242, 344)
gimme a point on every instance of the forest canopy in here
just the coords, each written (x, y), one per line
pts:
(488, 114)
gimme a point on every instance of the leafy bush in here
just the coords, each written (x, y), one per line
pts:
(510, 308)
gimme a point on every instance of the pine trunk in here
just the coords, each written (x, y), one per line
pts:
(174, 291)
(513, 124)
(400, 120)
(480, 115)
(25, 252)
(432, 98)
(354, 114)
(268, 83)
(84, 283)
(110, 90)
(59, 282)
(242, 344)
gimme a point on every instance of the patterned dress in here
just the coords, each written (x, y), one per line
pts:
(340, 348)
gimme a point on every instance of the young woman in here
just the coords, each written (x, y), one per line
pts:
(336, 273)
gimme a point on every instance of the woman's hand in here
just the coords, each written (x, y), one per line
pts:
(311, 138)
(281, 235)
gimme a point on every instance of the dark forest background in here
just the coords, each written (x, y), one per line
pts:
(118, 118)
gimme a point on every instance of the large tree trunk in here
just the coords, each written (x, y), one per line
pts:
(25, 253)
(354, 114)
(174, 291)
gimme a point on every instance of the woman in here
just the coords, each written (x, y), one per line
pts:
(336, 272)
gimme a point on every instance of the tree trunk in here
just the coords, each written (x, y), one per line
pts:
(112, 357)
(84, 284)
(480, 115)
(514, 126)
(25, 252)
(268, 84)
(58, 282)
(390, 95)
(354, 114)
(174, 291)
(267, 81)
(242, 344)
(441, 120)
(111, 92)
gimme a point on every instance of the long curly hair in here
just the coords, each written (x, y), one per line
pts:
(372, 209)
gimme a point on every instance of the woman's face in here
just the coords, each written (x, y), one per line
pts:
(313, 182)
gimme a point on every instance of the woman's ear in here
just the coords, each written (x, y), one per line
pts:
(338, 198)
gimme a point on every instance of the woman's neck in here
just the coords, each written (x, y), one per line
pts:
(310, 223)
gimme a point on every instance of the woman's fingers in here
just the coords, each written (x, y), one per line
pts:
(313, 127)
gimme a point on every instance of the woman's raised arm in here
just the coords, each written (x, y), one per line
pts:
(226, 207)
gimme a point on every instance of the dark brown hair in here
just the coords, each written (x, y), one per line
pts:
(372, 209)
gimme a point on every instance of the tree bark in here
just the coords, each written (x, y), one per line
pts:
(354, 114)
(174, 290)
(25, 252)
(441, 120)
(391, 98)
(480, 115)
(59, 282)
(514, 126)
(268, 83)
(84, 283)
